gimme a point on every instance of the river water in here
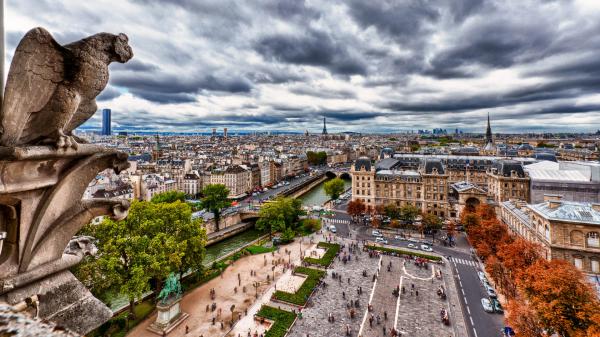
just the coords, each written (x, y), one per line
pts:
(317, 196)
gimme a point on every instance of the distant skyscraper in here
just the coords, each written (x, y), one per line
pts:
(324, 126)
(225, 133)
(106, 122)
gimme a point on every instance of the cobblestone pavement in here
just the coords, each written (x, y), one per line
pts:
(383, 302)
(419, 316)
(330, 299)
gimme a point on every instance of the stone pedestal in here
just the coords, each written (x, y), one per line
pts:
(168, 318)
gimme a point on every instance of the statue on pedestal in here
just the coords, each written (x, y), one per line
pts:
(169, 312)
(45, 169)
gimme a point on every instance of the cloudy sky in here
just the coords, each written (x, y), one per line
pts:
(367, 66)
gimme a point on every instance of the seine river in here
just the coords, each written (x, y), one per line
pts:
(317, 196)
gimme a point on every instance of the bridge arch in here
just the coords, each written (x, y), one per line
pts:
(331, 174)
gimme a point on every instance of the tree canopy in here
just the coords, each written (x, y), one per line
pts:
(154, 240)
(334, 188)
(170, 196)
(316, 158)
(215, 199)
(356, 208)
(279, 215)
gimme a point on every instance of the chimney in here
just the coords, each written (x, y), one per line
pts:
(552, 197)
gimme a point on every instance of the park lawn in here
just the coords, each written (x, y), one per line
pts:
(283, 320)
(300, 297)
(255, 250)
(327, 258)
(404, 252)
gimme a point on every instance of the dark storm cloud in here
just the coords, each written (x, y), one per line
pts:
(399, 20)
(164, 88)
(108, 94)
(286, 64)
(315, 48)
(492, 44)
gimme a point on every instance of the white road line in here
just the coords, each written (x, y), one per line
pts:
(469, 311)
(370, 299)
(467, 303)
(397, 303)
(475, 331)
(471, 319)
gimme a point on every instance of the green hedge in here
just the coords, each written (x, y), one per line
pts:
(301, 296)
(254, 249)
(327, 258)
(404, 252)
(282, 320)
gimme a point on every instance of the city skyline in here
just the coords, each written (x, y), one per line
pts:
(390, 66)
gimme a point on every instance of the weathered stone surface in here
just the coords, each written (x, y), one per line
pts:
(17, 324)
(51, 89)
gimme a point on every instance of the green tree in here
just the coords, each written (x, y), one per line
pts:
(316, 158)
(170, 196)
(334, 188)
(215, 199)
(409, 213)
(431, 223)
(279, 214)
(153, 241)
(392, 211)
(288, 235)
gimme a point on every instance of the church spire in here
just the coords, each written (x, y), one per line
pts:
(488, 131)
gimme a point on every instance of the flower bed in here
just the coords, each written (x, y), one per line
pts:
(404, 252)
(327, 258)
(300, 297)
(282, 319)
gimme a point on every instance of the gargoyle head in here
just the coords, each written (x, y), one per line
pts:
(122, 50)
(120, 210)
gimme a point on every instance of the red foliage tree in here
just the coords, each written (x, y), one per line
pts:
(356, 208)
(564, 302)
(523, 319)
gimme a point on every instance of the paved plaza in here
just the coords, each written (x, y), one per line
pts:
(409, 313)
(335, 297)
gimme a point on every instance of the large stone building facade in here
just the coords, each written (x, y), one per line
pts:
(441, 186)
(565, 229)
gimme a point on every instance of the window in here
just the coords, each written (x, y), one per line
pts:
(593, 239)
(578, 262)
(595, 266)
(547, 232)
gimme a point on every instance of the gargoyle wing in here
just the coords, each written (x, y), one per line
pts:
(37, 67)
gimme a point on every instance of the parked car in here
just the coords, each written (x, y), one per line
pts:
(376, 233)
(497, 306)
(412, 240)
(426, 248)
(490, 291)
(381, 240)
(482, 277)
(333, 229)
(398, 237)
(410, 245)
(487, 305)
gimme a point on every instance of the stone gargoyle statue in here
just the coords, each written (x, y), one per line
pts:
(51, 89)
(44, 172)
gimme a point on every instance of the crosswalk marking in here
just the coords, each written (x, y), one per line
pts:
(338, 221)
(465, 262)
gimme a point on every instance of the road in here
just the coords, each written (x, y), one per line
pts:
(479, 323)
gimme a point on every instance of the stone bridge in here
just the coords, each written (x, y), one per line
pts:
(338, 172)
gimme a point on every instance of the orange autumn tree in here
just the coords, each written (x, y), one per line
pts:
(523, 319)
(516, 257)
(356, 208)
(563, 301)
